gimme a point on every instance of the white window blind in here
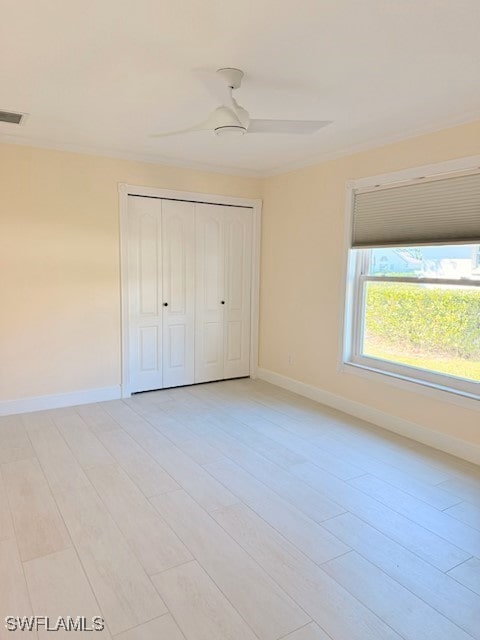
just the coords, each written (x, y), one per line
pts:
(445, 210)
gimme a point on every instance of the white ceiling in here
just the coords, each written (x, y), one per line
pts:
(101, 75)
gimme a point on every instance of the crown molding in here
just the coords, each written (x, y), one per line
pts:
(281, 169)
(373, 143)
(40, 143)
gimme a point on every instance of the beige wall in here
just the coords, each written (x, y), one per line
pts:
(59, 264)
(302, 273)
(60, 284)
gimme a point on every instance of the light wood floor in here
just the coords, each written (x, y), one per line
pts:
(235, 511)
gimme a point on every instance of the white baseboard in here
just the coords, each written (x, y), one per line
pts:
(38, 403)
(443, 442)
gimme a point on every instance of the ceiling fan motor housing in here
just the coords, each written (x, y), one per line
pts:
(227, 122)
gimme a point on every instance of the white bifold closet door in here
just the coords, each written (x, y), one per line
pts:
(223, 288)
(161, 295)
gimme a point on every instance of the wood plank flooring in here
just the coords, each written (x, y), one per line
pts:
(235, 511)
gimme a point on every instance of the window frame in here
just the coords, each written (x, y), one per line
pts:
(355, 276)
(357, 357)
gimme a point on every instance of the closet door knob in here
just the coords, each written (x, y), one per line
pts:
(165, 304)
(222, 302)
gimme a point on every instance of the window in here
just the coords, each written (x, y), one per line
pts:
(414, 308)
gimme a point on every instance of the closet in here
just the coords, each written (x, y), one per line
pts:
(189, 292)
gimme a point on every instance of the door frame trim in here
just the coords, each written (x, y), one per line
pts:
(125, 190)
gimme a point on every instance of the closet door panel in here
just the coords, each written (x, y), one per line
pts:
(178, 292)
(210, 282)
(238, 258)
(145, 293)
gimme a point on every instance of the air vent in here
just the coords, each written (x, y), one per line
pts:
(11, 117)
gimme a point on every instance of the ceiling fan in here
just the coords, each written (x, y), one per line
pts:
(232, 119)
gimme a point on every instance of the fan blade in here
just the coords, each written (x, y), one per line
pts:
(298, 127)
(203, 126)
(220, 118)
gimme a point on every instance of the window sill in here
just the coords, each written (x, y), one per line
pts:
(415, 385)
